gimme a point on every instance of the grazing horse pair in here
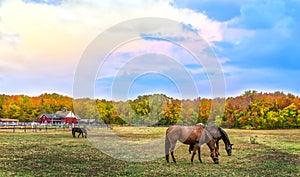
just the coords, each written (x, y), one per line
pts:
(195, 135)
(81, 131)
(217, 133)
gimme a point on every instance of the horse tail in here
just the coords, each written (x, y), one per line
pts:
(167, 145)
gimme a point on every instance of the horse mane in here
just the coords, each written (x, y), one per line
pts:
(225, 137)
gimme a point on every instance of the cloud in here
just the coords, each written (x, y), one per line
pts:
(261, 79)
(271, 48)
(216, 10)
(47, 2)
(10, 38)
(261, 14)
(155, 69)
(42, 41)
(132, 49)
(264, 36)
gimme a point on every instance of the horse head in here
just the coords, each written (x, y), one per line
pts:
(214, 156)
(228, 149)
(213, 151)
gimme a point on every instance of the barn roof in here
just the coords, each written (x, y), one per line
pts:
(52, 116)
(87, 120)
(62, 113)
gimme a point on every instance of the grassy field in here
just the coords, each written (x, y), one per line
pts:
(57, 153)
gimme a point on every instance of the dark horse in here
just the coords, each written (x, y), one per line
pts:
(217, 133)
(195, 135)
(81, 131)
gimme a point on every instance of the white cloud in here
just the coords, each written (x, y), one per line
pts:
(47, 40)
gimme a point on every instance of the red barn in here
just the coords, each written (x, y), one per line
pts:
(60, 117)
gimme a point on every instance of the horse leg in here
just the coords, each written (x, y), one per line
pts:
(167, 159)
(79, 134)
(217, 143)
(194, 152)
(73, 133)
(172, 152)
(191, 148)
(199, 154)
(173, 157)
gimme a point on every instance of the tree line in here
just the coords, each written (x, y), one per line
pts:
(252, 110)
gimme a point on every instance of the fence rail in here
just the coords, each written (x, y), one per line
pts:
(28, 128)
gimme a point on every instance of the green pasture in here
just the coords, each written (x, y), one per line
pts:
(57, 153)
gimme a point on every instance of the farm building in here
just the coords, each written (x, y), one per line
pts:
(87, 121)
(60, 117)
(4, 121)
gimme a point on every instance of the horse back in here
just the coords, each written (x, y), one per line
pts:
(78, 129)
(214, 131)
(175, 133)
(194, 134)
(185, 134)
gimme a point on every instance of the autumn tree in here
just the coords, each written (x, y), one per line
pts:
(172, 112)
(106, 111)
(251, 110)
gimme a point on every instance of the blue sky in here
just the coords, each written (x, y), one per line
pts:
(255, 42)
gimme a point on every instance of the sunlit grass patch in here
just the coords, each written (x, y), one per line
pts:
(57, 153)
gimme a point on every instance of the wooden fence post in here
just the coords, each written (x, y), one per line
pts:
(14, 128)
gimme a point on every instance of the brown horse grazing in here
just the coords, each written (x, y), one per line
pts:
(195, 135)
(81, 131)
(217, 133)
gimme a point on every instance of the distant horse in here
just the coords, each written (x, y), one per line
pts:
(81, 131)
(217, 133)
(195, 135)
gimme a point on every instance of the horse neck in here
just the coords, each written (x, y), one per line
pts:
(208, 138)
(224, 137)
(211, 144)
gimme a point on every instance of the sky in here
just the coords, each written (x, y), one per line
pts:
(254, 42)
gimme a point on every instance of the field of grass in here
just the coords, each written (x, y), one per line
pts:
(57, 153)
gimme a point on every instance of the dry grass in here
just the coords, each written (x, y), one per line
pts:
(57, 153)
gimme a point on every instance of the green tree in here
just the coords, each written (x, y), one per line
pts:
(141, 107)
(106, 111)
(124, 111)
(157, 108)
